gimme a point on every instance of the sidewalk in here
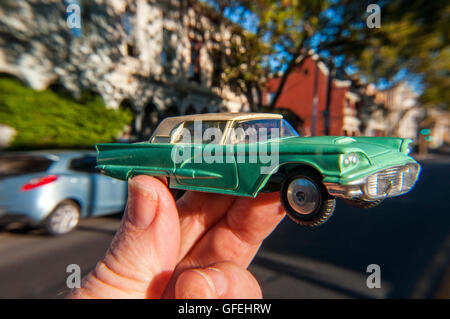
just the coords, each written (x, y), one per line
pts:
(432, 157)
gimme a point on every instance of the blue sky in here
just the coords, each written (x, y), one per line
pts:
(250, 21)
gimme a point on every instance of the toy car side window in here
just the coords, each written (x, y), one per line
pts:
(208, 131)
(175, 134)
(161, 140)
(253, 131)
(212, 132)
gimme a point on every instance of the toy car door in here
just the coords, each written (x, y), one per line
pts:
(201, 157)
(255, 144)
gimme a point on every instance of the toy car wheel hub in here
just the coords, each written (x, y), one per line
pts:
(303, 196)
(300, 196)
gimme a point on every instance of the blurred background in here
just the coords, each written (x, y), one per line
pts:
(78, 72)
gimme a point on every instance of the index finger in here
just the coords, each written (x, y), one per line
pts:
(198, 212)
(236, 237)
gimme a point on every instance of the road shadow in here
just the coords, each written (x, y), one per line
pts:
(97, 230)
(29, 230)
(19, 229)
(311, 273)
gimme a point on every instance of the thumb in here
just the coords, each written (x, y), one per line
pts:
(144, 252)
(223, 280)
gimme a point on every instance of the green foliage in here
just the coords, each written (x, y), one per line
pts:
(283, 33)
(413, 36)
(54, 120)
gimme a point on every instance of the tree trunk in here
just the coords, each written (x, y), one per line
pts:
(394, 129)
(249, 96)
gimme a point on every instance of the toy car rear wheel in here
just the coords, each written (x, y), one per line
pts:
(358, 203)
(63, 219)
(306, 200)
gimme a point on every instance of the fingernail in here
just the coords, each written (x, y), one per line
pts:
(216, 280)
(141, 205)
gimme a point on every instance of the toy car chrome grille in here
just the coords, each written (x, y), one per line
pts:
(393, 181)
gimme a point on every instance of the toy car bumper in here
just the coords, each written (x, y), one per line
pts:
(389, 182)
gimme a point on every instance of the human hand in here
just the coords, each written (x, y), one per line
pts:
(199, 250)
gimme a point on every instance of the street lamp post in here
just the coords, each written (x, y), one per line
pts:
(315, 100)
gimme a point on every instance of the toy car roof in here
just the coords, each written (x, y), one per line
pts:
(167, 125)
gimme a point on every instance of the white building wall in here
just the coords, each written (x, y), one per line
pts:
(46, 52)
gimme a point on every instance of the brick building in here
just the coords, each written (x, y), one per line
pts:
(298, 96)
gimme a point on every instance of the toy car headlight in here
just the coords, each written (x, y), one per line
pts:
(409, 150)
(409, 176)
(351, 159)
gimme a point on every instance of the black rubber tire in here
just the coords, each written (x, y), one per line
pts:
(50, 229)
(324, 209)
(358, 203)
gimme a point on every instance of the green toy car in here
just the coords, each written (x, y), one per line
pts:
(244, 154)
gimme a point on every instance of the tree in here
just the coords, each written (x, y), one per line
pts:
(413, 38)
(242, 56)
(283, 33)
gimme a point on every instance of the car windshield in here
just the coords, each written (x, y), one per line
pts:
(23, 164)
(260, 130)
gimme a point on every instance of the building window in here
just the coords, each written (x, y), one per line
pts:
(127, 23)
(168, 53)
(195, 66)
(218, 69)
(130, 50)
(347, 103)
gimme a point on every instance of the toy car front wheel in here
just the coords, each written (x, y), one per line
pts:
(63, 219)
(306, 200)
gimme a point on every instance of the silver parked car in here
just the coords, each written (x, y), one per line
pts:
(56, 189)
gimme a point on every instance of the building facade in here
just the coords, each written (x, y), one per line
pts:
(372, 111)
(403, 113)
(322, 110)
(157, 58)
(439, 125)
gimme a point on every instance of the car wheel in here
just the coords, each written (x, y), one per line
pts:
(306, 200)
(63, 219)
(358, 203)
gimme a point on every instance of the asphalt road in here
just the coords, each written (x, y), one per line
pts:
(408, 237)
